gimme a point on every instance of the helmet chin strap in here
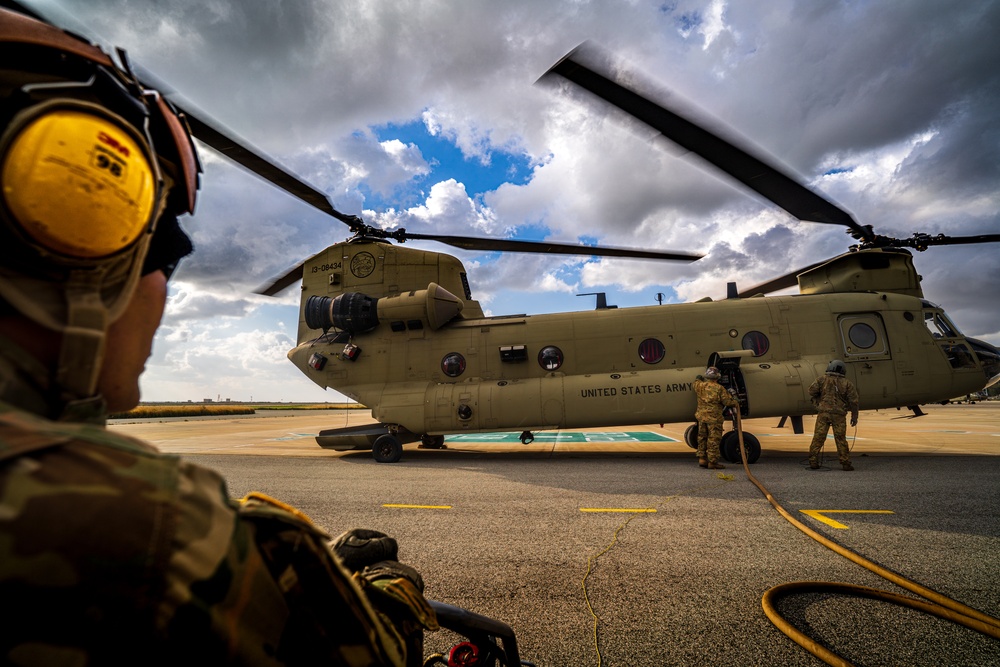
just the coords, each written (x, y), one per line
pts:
(82, 350)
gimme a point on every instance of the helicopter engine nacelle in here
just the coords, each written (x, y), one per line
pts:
(358, 313)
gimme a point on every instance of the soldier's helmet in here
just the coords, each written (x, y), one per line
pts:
(712, 373)
(836, 367)
(95, 169)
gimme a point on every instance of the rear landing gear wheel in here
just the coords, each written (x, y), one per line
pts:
(691, 436)
(527, 437)
(387, 449)
(432, 442)
(730, 447)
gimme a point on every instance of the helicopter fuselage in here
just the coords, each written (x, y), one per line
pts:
(614, 367)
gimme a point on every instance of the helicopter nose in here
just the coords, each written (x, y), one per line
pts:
(989, 357)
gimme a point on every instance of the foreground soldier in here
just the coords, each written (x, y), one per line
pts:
(110, 552)
(833, 395)
(712, 400)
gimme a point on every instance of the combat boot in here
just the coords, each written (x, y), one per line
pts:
(847, 466)
(715, 465)
(702, 463)
(814, 465)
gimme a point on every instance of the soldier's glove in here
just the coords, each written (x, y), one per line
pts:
(398, 590)
(394, 589)
(360, 547)
(854, 421)
(732, 390)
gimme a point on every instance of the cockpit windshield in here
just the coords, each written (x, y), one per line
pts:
(939, 325)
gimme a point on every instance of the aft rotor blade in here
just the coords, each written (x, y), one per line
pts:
(756, 174)
(783, 282)
(243, 154)
(287, 280)
(514, 245)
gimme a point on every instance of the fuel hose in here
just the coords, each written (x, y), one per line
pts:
(933, 603)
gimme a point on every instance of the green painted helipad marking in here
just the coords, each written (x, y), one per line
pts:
(818, 515)
(562, 436)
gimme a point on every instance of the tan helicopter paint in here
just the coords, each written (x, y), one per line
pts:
(603, 380)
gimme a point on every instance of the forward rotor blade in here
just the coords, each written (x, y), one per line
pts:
(513, 245)
(960, 240)
(756, 174)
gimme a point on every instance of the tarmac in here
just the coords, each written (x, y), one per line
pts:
(943, 429)
(612, 547)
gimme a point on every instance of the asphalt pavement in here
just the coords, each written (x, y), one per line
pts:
(628, 553)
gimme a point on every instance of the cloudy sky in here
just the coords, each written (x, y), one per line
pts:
(427, 115)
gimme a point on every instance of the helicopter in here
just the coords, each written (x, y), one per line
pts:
(397, 329)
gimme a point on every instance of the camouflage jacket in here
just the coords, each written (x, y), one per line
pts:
(712, 398)
(112, 553)
(834, 395)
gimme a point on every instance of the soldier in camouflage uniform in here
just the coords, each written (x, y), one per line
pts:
(833, 395)
(712, 400)
(110, 552)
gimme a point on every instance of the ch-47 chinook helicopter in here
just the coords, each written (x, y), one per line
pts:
(397, 328)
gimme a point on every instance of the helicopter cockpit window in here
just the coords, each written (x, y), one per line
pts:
(862, 335)
(757, 342)
(550, 358)
(959, 356)
(453, 364)
(939, 326)
(651, 351)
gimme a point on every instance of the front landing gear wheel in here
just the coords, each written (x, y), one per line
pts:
(730, 447)
(387, 448)
(691, 436)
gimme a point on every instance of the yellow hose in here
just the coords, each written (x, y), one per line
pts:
(940, 605)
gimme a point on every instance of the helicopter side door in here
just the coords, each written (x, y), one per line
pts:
(867, 352)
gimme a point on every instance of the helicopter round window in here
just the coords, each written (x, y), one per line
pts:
(756, 342)
(862, 335)
(453, 364)
(651, 351)
(550, 358)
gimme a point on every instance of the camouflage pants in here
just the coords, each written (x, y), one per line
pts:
(709, 437)
(824, 421)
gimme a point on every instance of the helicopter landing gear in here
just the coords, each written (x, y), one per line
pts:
(527, 437)
(387, 448)
(691, 436)
(730, 447)
(432, 442)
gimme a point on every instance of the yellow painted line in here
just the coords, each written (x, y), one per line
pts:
(618, 509)
(417, 507)
(818, 515)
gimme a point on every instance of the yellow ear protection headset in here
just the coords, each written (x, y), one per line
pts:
(89, 164)
(78, 182)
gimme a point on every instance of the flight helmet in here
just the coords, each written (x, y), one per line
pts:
(836, 367)
(94, 169)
